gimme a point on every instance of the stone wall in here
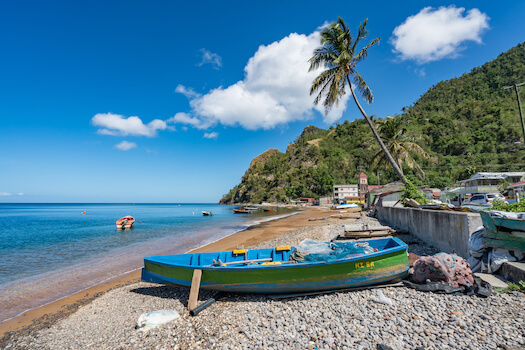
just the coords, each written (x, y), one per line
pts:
(446, 230)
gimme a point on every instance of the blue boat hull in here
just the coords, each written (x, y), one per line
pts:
(385, 265)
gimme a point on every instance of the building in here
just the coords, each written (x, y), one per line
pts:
(344, 192)
(363, 184)
(351, 193)
(325, 201)
(488, 182)
(516, 190)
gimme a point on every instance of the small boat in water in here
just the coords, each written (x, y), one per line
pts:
(269, 209)
(278, 270)
(251, 208)
(241, 211)
(125, 222)
(207, 213)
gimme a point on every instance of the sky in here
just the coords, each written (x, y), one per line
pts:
(169, 101)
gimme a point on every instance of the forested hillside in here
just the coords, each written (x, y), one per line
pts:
(465, 124)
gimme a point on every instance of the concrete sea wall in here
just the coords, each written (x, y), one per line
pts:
(446, 230)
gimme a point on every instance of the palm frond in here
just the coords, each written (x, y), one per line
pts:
(362, 33)
(321, 83)
(321, 59)
(364, 51)
(362, 87)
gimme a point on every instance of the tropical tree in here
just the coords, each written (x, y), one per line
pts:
(338, 55)
(399, 145)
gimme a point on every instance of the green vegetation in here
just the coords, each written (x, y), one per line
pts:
(464, 125)
(517, 287)
(399, 145)
(412, 192)
(513, 207)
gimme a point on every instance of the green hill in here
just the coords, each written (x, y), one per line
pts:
(465, 124)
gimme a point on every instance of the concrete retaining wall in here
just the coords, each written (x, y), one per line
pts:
(448, 231)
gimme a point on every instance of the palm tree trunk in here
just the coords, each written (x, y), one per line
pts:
(398, 170)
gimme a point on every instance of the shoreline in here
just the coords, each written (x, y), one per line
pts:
(51, 312)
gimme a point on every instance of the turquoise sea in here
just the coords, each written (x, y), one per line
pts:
(50, 251)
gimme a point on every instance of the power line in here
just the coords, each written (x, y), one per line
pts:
(515, 86)
(473, 165)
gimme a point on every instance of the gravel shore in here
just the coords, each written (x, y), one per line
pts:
(349, 320)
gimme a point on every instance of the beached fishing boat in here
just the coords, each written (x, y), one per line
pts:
(207, 213)
(278, 271)
(503, 232)
(241, 211)
(125, 222)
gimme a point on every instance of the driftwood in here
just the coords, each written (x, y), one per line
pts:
(411, 202)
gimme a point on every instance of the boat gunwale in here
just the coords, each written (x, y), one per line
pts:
(401, 247)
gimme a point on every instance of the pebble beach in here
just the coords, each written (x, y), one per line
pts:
(339, 320)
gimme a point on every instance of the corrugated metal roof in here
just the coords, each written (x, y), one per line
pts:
(493, 176)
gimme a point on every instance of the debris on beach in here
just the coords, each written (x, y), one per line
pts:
(382, 299)
(446, 273)
(155, 319)
(442, 267)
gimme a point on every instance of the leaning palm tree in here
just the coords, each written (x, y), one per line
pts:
(399, 145)
(338, 55)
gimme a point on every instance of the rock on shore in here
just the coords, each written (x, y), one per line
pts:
(350, 320)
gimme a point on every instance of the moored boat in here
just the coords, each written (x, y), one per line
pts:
(269, 209)
(241, 211)
(276, 270)
(125, 222)
(207, 213)
(503, 230)
(251, 208)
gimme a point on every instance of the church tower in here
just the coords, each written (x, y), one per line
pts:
(363, 184)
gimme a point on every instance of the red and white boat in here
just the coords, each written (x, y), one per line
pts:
(125, 222)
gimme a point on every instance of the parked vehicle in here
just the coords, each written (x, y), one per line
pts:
(486, 199)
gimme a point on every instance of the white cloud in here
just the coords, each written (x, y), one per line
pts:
(118, 125)
(211, 135)
(420, 71)
(210, 58)
(432, 34)
(275, 90)
(5, 194)
(185, 118)
(188, 92)
(20, 194)
(125, 145)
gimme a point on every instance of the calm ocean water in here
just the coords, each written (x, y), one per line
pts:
(53, 250)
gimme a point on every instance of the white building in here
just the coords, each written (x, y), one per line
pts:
(342, 192)
(488, 182)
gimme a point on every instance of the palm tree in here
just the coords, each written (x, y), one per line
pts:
(338, 55)
(399, 145)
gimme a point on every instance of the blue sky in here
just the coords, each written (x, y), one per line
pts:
(164, 101)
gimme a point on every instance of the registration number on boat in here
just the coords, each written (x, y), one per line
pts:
(362, 265)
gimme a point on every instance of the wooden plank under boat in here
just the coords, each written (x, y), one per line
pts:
(504, 233)
(270, 271)
(241, 211)
(125, 222)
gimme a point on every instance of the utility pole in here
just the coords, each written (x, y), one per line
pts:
(515, 86)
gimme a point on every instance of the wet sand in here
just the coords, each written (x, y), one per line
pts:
(47, 314)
